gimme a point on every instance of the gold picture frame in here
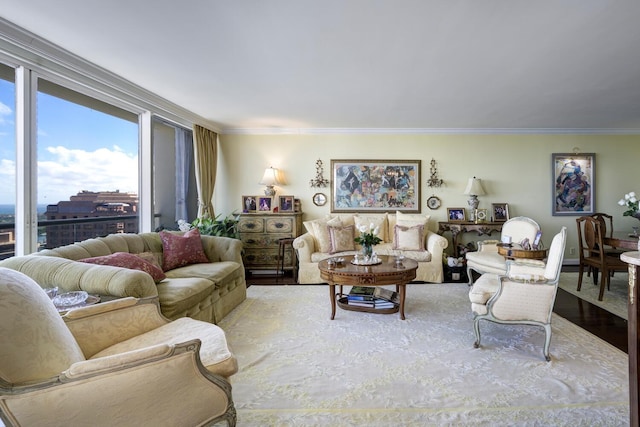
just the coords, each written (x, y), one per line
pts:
(456, 214)
(500, 212)
(285, 203)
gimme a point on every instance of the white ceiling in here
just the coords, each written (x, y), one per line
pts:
(303, 65)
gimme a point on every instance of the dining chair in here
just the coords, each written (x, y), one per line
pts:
(594, 255)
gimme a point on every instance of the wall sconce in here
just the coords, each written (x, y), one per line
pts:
(319, 180)
(270, 178)
(434, 181)
(473, 190)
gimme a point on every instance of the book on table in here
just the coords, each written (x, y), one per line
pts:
(372, 297)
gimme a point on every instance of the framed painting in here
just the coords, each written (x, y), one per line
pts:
(249, 204)
(264, 203)
(457, 214)
(375, 185)
(499, 212)
(573, 184)
(285, 203)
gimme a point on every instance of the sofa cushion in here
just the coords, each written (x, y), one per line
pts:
(341, 239)
(379, 221)
(179, 250)
(179, 294)
(223, 272)
(408, 238)
(130, 261)
(318, 229)
(412, 219)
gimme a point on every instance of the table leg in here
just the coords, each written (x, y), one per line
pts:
(332, 295)
(403, 292)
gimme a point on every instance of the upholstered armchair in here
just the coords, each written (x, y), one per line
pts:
(525, 295)
(487, 259)
(115, 363)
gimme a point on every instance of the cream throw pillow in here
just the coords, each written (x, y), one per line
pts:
(341, 239)
(408, 238)
(318, 228)
(412, 219)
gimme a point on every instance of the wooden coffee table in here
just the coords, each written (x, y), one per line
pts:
(385, 273)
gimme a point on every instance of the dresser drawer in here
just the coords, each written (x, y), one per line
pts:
(280, 225)
(261, 240)
(251, 225)
(260, 257)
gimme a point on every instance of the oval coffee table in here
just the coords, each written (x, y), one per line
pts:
(385, 273)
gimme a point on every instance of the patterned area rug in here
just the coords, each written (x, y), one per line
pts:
(614, 299)
(298, 368)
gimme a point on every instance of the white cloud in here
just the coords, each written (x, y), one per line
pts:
(5, 111)
(67, 171)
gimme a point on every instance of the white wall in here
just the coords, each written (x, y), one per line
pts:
(515, 169)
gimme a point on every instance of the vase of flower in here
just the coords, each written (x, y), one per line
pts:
(368, 238)
(631, 203)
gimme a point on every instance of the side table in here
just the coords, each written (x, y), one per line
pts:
(515, 251)
(457, 228)
(282, 247)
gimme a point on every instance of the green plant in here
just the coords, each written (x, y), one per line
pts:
(225, 227)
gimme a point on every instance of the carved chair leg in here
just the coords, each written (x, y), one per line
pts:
(547, 341)
(476, 330)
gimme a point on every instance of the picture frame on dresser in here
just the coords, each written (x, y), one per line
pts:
(265, 204)
(285, 204)
(375, 185)
(249, 204)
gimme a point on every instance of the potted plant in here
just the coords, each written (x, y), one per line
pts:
(225, 227)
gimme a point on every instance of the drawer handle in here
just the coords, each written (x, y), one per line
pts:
(250, 225)
(279, 225)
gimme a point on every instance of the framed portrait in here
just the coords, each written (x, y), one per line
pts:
(456, 214)
(500, 212)
(375, 185)
(249, 204)
(285, 203)
(265, 203)
(573, 184)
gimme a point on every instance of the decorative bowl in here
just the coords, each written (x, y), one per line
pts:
(69, 299)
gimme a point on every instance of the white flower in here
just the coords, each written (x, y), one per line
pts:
(183, 225)
(362, 228)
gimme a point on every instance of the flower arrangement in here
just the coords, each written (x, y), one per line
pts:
(631, 203)
(368, 236)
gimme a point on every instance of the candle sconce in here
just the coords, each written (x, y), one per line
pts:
(319, 180)
(434, 181)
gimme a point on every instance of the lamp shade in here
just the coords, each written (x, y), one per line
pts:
(474, 187)
(270, 177)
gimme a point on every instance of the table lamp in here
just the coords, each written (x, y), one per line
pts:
(270, 178)
(473, 190)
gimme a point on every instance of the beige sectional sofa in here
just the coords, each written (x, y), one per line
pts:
(406, 234)
(207, 290)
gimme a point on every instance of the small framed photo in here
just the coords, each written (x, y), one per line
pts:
(285, 204)
(249, 204)
(480, 215)
(456, 214)
(265, 203)
(500, 212)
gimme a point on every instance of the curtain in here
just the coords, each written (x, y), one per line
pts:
(206, 162)
(184, 154)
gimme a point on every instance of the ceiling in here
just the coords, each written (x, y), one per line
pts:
(365, 65)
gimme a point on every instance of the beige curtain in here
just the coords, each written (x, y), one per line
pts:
(206, 162)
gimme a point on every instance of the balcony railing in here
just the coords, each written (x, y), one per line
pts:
(59, 232)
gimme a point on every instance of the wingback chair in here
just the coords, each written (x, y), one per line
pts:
(487, 259)
(116, 363)
(524, 295)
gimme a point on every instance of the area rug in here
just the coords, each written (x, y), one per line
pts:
(614, 300)
(299, 368)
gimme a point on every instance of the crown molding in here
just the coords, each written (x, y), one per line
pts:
(427, 131)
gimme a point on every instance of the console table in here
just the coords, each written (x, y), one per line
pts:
(456, 228)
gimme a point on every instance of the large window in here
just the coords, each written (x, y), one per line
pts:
(7, 161)
(87, 153)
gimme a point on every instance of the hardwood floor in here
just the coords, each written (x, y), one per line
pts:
(599, 322)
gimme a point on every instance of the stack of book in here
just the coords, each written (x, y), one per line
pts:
(373, 297)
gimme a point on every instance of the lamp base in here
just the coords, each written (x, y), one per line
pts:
(269, 191)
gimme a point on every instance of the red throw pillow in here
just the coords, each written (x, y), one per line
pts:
(127, 260)
(180, 250)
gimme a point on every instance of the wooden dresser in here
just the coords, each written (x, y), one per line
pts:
(260, 234)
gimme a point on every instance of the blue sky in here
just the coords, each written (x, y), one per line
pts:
(78, 149)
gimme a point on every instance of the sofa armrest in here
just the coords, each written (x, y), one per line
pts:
(102, 325)
(304, 246)
(435, 245)
(68, 275)
(488, 246)
(218, 248)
